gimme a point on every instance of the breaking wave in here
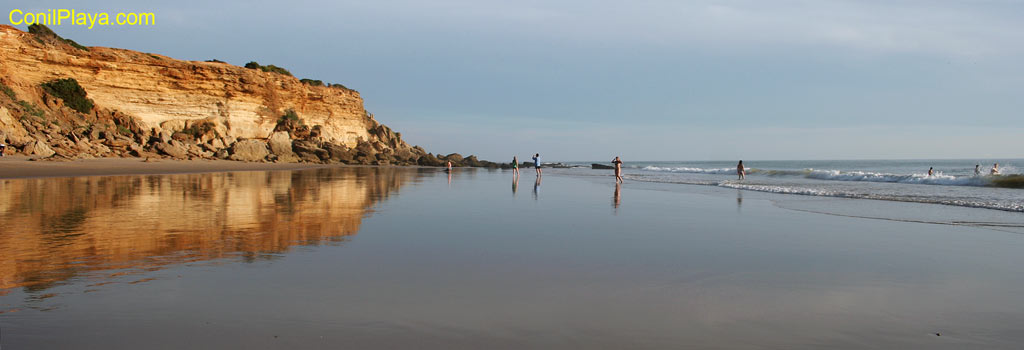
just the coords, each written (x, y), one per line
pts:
(1008, 181)
(797, 190)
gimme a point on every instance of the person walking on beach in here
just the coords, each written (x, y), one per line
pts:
(515, 166)
(536, 163)
(977, 169)
(741, 172)
(930, 171)
(995, 169)
(449, 166)
(618, 169)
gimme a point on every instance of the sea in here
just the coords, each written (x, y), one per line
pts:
(952, 183)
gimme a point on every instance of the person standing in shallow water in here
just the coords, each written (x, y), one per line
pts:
(741, 172)
(536, 163)
(618, 169)
(515, 166)
(995, 169)
(977, 169)
(931, 171)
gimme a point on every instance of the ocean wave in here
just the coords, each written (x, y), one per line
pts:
(1010, 181)
(923, 179)
(796, 190)
(721, 171)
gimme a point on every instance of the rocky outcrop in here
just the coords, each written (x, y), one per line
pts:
(249, 151)
(149, 105)
(133, 104)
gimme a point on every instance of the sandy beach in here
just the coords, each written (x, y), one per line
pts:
(395, 257)
(13, 167)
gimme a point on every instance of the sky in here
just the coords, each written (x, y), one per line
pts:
(645, 80)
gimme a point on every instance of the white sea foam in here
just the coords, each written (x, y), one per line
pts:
(723, 171)
(925, 179)
(797, 190)
(837, 175)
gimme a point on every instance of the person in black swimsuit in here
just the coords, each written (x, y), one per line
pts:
(618, 169)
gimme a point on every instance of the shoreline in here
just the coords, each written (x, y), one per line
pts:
(21, 167)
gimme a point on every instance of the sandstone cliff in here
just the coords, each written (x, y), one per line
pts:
(148, 105)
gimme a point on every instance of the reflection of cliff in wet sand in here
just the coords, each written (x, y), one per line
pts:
(55, 229)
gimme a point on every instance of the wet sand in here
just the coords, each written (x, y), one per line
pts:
(23, 167)
(382, 258)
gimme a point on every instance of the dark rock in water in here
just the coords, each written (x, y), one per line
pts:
(455, 158)
(601, 166)
(429, 160)
(472, 161)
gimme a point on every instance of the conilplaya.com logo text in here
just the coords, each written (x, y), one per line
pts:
(57, 17)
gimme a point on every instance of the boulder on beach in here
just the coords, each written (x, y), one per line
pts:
(281, 146)
(601, 166)
(173, 148)
(249, 150)
(39, 148)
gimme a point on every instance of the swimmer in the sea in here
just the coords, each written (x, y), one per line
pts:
(995, 169)
(977, 169)
(931, 171)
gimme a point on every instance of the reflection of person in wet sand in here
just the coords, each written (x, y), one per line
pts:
(618, 169)
(536, 188)
(739, 199)
(741, 171)
(617, 198)
(515, 185)
(449, 179)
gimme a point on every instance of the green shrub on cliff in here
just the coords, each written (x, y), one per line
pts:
(43, 31)
(312, 82)
(339, 86)
(289, 115)
(31, 109)
(268, 68)
(7, 91)
(74, 95)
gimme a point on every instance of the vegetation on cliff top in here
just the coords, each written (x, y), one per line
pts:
(315, 82)
(312, 82)
(268, 68)
(74, 95)
(45, 32)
